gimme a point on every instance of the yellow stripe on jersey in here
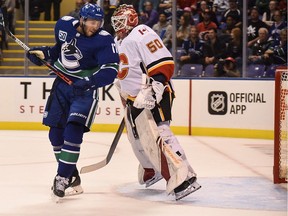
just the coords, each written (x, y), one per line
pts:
(131, 98)
(160, 64)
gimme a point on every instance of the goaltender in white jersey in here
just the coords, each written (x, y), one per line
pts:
(145, 71)
(142, 46)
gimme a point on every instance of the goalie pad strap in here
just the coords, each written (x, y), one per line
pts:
(164, 165)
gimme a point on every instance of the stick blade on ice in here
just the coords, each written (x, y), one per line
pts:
(104, 162)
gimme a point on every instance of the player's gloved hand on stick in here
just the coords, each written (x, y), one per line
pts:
(83, 84)
(97, 80)
(37, 53)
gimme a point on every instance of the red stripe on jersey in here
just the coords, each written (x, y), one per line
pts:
(166, 68)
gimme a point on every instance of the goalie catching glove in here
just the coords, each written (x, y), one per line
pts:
(149, 95)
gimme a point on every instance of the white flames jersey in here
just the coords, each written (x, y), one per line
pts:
(142, 51)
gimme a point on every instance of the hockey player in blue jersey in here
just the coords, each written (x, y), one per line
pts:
(86, 54)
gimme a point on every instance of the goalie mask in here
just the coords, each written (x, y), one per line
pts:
(124, 19)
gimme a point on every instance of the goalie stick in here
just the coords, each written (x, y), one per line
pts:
(104, 162)
(26, 48)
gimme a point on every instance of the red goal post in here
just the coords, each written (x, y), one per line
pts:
(280, 169)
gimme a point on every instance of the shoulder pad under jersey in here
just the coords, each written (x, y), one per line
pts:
(65, 29)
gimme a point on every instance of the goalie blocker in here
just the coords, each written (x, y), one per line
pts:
(173, 165)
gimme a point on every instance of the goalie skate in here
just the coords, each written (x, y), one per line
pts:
(186, 188)
(148, 176)
(153, 180)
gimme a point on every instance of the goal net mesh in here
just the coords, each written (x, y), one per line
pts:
(281, 125)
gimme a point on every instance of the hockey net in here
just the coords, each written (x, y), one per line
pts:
(280, 126)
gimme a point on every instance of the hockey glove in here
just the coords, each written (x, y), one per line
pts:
(37, 53)
(158, 89)
(83, 85)
(145, 99)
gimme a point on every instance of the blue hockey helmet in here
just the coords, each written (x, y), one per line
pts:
(91, 11)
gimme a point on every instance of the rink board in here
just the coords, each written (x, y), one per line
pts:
(235, 108)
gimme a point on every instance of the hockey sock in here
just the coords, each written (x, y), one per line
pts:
(71, 149)
(68, 159)
(57, 140)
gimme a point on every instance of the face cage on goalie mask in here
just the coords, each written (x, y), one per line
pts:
(119, 23)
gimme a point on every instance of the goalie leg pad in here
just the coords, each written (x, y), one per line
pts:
(161, 155)
(173, 168)
(170, 139)
(138, 151)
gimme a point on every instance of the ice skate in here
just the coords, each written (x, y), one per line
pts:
(157, 177)
(74, 186)
(150, 177)
(186, 188)
(59, 186)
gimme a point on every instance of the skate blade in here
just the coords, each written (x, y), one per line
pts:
(71, 191)
(153, 181)
(192, 188)
(55, 199)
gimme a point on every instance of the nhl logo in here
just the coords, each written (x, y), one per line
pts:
(217, 103)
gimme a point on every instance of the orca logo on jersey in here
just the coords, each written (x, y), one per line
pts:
(71, 54)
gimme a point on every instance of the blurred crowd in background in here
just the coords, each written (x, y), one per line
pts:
(209, 33)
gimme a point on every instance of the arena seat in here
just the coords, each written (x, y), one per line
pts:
(255, 70)
(191, 70)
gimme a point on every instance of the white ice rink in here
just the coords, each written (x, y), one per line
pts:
(235, 174)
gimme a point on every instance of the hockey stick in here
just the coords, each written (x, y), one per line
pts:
(104, 162)
(26, 48)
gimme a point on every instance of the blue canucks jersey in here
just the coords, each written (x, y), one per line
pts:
(79, 56)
